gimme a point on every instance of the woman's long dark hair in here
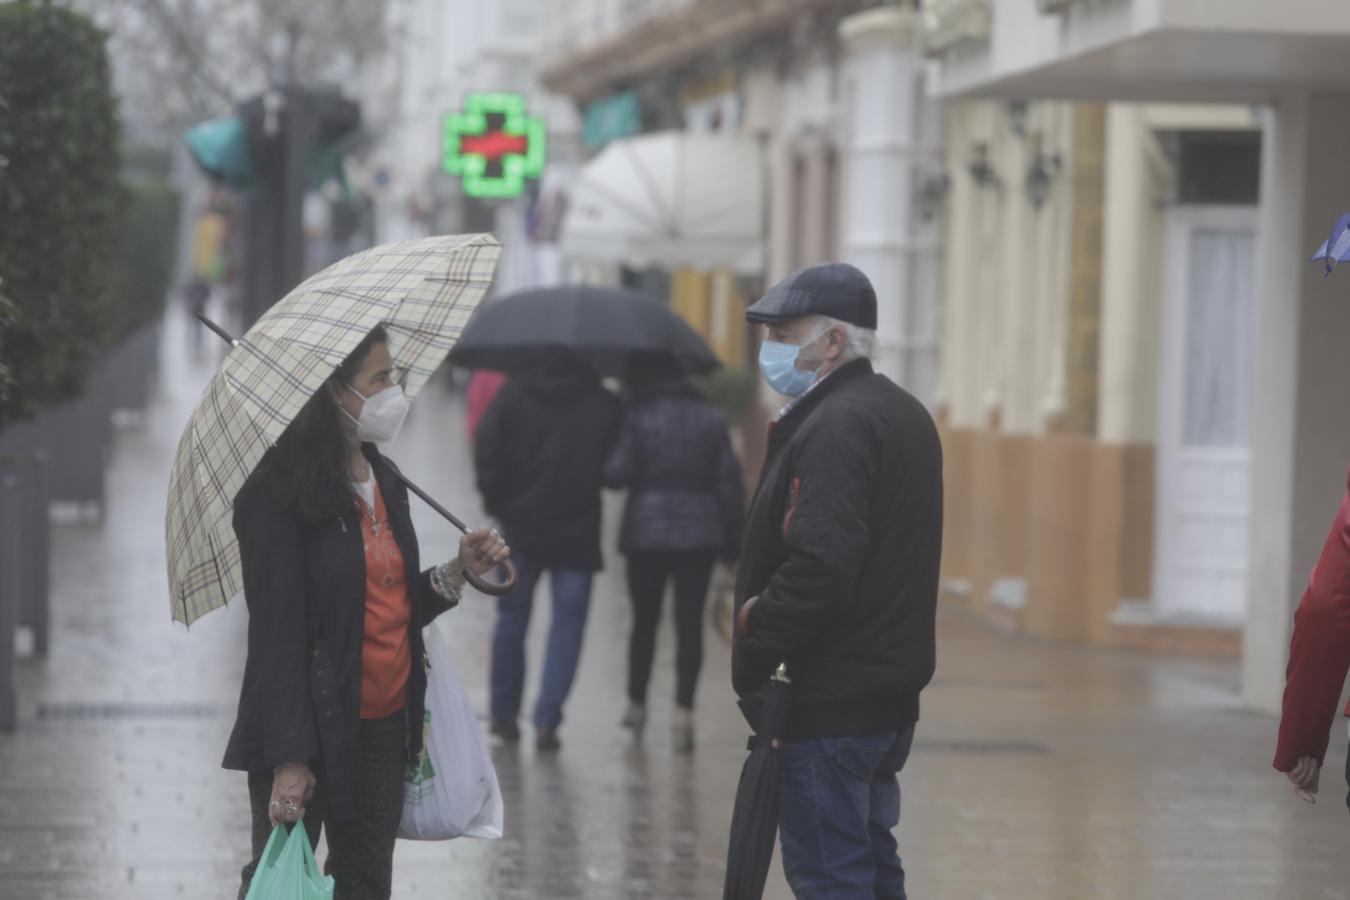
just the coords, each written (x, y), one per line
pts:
(307, 471)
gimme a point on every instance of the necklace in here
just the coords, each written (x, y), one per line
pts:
(376, 527)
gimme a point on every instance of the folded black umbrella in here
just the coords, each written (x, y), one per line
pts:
(609, 330)
(754, 822)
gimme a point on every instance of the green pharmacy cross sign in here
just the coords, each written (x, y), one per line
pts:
(493, 146)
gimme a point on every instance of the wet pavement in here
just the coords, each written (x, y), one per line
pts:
(1041, 771)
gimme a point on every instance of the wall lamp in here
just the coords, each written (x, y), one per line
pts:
(1041, 175)
(981, 170)
(1018, 113)
(929, 193)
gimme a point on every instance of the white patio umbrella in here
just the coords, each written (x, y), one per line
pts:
(670, 199)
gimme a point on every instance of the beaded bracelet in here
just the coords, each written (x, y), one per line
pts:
(442, 581)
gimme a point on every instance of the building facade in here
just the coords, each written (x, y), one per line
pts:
(1096, 368)
(1252, 444)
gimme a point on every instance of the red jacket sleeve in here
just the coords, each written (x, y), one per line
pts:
(1319, 654)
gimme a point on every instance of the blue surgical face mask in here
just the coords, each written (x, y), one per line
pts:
(778, 365)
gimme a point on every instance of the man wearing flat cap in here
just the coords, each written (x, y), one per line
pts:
(838, 578)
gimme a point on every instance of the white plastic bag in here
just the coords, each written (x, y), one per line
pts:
(451, 790)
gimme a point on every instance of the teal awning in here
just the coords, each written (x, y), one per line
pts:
(221, 148)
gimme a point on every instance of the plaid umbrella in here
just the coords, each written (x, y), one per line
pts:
(423, 292)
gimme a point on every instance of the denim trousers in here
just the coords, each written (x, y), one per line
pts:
(571, 602)
(840, 800)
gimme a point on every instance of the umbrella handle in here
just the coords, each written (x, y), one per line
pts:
(497, 589)
(480, 584)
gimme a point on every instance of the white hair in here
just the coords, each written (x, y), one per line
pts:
(860, 343)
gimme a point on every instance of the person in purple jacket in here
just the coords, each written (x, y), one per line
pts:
(684, 510)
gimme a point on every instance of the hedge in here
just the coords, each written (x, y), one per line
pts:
(146, 254)
(59, 201)
(731, 390)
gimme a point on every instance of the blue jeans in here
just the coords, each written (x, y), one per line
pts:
(841, 798)
(571, 601)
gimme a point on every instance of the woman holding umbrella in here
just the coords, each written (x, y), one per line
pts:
(331, 707)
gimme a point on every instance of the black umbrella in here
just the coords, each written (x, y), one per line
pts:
(608, 329)
(754, 823)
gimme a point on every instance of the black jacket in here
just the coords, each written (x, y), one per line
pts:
(674, 455)
(305, 586)
(842, 546)
(539, 452)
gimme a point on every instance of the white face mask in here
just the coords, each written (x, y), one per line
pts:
(382, 416)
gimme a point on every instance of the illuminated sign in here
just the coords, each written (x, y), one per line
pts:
(493, 146)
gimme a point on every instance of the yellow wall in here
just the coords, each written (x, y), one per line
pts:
(713, 307)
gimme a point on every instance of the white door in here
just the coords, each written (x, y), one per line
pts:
(1204, 439)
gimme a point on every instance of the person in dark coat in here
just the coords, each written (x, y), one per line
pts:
(330, 710)
(839, 579)
(539, 453)
(683, 512)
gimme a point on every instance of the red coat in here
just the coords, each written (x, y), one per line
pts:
(1319, 654)
(483, 387)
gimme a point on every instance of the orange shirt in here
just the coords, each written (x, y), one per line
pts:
(386, 656)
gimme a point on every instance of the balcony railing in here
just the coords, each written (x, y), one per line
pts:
(948, 23)
(610, 42)
(595, 23)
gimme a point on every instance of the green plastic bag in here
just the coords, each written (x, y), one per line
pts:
(287, 870)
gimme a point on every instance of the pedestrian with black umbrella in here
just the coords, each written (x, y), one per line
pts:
(838, 579)
(540, 453)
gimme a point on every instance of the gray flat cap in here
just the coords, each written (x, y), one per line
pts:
(836, 290)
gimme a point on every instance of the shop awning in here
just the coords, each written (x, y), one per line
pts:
(670, 200)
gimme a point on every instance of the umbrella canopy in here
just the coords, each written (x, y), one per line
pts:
(671, 199)
(608, 329)
(754, 821)
(1336, 249)
(220, 147)
(423, 292)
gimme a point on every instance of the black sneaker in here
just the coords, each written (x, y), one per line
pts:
(546, 739)
(507, 731)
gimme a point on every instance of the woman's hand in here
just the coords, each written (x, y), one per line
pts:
(292, 786)
(481, 550)
(1304, 776)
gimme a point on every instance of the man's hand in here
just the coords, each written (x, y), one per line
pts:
(743, 617)
(1304, 776)
(292, 786)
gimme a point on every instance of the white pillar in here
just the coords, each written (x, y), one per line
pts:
(1301, 418)
(1127, 411)
(890, 124)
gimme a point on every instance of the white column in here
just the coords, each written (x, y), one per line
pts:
(1127, 397)
(889, 122)
(1301, 418)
